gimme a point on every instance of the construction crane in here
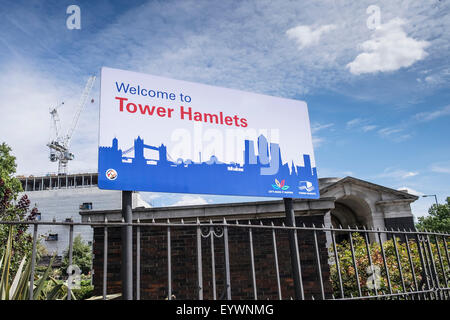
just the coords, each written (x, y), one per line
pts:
(60, 144)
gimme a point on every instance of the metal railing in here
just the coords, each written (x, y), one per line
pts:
(363, 263)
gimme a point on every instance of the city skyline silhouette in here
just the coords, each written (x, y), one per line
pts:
(259, 175)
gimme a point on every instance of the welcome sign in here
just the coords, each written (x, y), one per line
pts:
(165, 135)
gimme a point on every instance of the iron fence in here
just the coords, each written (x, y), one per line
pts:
(363, 263)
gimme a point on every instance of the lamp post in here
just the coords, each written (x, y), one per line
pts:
(431, 195)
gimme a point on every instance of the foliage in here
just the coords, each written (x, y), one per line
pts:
(17, 287)
(86, 290)
(13, 210)
(364, 269)
(438, 219)
(7, 169)
(81, 256)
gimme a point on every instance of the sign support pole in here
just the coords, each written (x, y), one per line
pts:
(127, 247)
(294, 251)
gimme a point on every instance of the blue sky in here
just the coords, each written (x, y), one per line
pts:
(378, 98)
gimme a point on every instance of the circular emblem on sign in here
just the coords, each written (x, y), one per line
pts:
(111, 174)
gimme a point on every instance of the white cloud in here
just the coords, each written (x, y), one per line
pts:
(394, 134)
(389, 49)
(27, 95)
(397, 173)
(428, 116)
(317, 141)
(411, 191)
(187, 200)
(315, 126)
(440, 167)
(355, 122)
(305, 36)
(369, 128)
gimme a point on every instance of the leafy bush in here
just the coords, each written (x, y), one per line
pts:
(13, 210)
(81, 256)
(17, 287)
(365, 270)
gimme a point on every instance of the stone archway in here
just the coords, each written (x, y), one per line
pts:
(350, 211)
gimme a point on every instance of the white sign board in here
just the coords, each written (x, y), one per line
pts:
(165, 135)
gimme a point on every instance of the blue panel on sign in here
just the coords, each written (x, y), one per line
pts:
(262, 174)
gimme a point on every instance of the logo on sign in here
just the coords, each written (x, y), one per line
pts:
(306, 185)
(280, 185)
(111, 174)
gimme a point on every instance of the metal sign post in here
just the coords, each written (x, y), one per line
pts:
(127, 247)
(293, 246)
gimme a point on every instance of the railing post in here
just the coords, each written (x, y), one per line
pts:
(127, 247)
(199, 261)
(105, 258)
(293, 246)
(69, 285)
(227, 260)
(33, 261)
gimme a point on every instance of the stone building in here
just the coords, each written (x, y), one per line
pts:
(347, 202)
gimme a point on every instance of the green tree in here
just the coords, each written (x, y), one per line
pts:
(13, 209)
(438, 219)
(81, 256)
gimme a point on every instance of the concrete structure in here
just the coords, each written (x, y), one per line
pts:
(355, 203)
(346, 202)
(60, 198)
(364, 204)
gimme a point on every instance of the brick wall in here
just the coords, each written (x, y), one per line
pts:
(184, 262)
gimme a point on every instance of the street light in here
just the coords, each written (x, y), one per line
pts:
(431, 195)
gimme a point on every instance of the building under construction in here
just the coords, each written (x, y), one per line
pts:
(60, 198)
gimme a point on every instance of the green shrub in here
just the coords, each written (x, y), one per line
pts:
(81, 256)
(364, 269)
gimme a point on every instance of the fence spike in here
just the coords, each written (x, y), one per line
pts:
(282, 224)
(224, 221)
(123, 220)
(198, 221)
(333, 296)
(106, 219)
(210, 221)
(312, 297)
(237, 222)
(138, 221)
(271, 223)
(153, 220)
(89, 219)
(182, 221)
